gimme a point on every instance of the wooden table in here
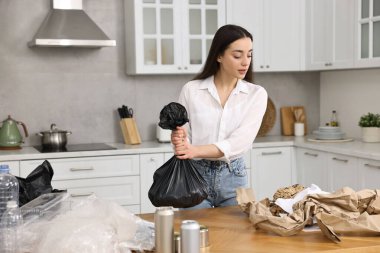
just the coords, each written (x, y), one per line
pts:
(231, 231)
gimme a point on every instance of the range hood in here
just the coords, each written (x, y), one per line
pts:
(67, 25)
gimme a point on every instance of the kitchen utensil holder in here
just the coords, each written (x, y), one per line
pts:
(130, 131)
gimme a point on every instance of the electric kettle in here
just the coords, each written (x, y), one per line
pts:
(10, 137)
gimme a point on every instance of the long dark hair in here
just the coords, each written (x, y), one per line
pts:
(223, 37)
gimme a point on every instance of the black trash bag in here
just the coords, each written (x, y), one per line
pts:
(177, 183)
(173, 115)
(38, 182)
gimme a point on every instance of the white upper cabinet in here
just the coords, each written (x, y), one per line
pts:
(277, 27)
(329, 34)
(170, 36)
(367, 33)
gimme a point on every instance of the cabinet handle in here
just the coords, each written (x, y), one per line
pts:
(77, 195)
(311, 154)
(340, 160)
(179, 68)
(261, 66)
(81, 169)
(267, 66)
(372, 166)
(152, 159)
(272, 153)
(328, 64)
(185, 67)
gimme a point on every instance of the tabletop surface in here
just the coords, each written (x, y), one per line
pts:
(231, 231)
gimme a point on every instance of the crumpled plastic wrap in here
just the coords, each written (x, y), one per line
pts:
(86, 225)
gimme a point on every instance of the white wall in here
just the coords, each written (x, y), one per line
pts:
(79, 89)
(352, 93)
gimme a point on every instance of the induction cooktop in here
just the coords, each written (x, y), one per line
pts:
(76, 147)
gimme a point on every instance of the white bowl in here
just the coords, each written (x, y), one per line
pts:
(329, 129)
(329, 136)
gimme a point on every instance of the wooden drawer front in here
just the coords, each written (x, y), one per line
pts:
(122, 190)
(88, 167)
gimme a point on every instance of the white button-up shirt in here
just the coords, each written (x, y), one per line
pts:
(232, 128)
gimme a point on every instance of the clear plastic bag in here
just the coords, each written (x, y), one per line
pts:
(83, 225)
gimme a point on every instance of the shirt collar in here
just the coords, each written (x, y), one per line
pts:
(209, 84)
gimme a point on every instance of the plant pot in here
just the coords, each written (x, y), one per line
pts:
(371, 134)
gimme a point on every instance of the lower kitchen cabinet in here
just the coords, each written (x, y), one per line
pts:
(149, 163)
(312, 168)
(271, 168)
(343, 171)
(369, 173)
(111, 177)
(123, 190)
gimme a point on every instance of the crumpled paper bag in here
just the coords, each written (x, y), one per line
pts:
(343, 212)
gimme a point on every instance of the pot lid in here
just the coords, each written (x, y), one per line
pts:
(54, 129)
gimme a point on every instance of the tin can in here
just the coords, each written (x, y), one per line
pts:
(190, 237)
(204, 241)
(164, 228)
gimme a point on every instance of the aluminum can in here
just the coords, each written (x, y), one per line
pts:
(190, 237)
(177, 242)
(164, 229)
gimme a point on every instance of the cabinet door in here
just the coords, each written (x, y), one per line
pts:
(271, 168)
(276, 27)
(201, 19)
(369, 173)
(330, 36)
(149, 163)
(171, 36)
(283, 35)
(312, 168)
(343, 171)
(367, 33)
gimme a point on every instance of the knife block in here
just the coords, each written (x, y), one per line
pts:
(130, 131)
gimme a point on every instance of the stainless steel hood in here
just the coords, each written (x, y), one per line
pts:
(67, 25)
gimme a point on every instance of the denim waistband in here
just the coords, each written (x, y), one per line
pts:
(218, 163)
(214, 163)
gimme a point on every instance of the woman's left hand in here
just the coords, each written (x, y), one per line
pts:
(185, 150)
(182, 148)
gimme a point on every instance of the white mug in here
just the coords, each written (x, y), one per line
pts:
(299, 129)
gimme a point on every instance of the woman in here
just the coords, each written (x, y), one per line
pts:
(225, 110)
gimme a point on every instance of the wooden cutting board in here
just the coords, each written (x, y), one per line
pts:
(288, 119)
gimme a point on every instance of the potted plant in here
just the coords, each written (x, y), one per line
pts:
(370, 124)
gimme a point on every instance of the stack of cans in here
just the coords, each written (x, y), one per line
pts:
(191, 238)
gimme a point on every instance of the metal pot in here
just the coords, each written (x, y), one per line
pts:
(54, 139)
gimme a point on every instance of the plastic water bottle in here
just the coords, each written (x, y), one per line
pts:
(10, 227)
(9, 188)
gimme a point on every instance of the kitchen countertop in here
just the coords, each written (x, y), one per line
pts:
(353, 148)
(231, 231)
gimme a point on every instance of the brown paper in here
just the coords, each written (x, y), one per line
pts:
(344, 212)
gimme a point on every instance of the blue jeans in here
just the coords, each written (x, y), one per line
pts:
(222, 181)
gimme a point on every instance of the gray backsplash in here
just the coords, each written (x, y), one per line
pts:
(80, 89)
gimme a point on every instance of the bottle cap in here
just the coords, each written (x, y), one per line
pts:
(4, 168)
(12, 204)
